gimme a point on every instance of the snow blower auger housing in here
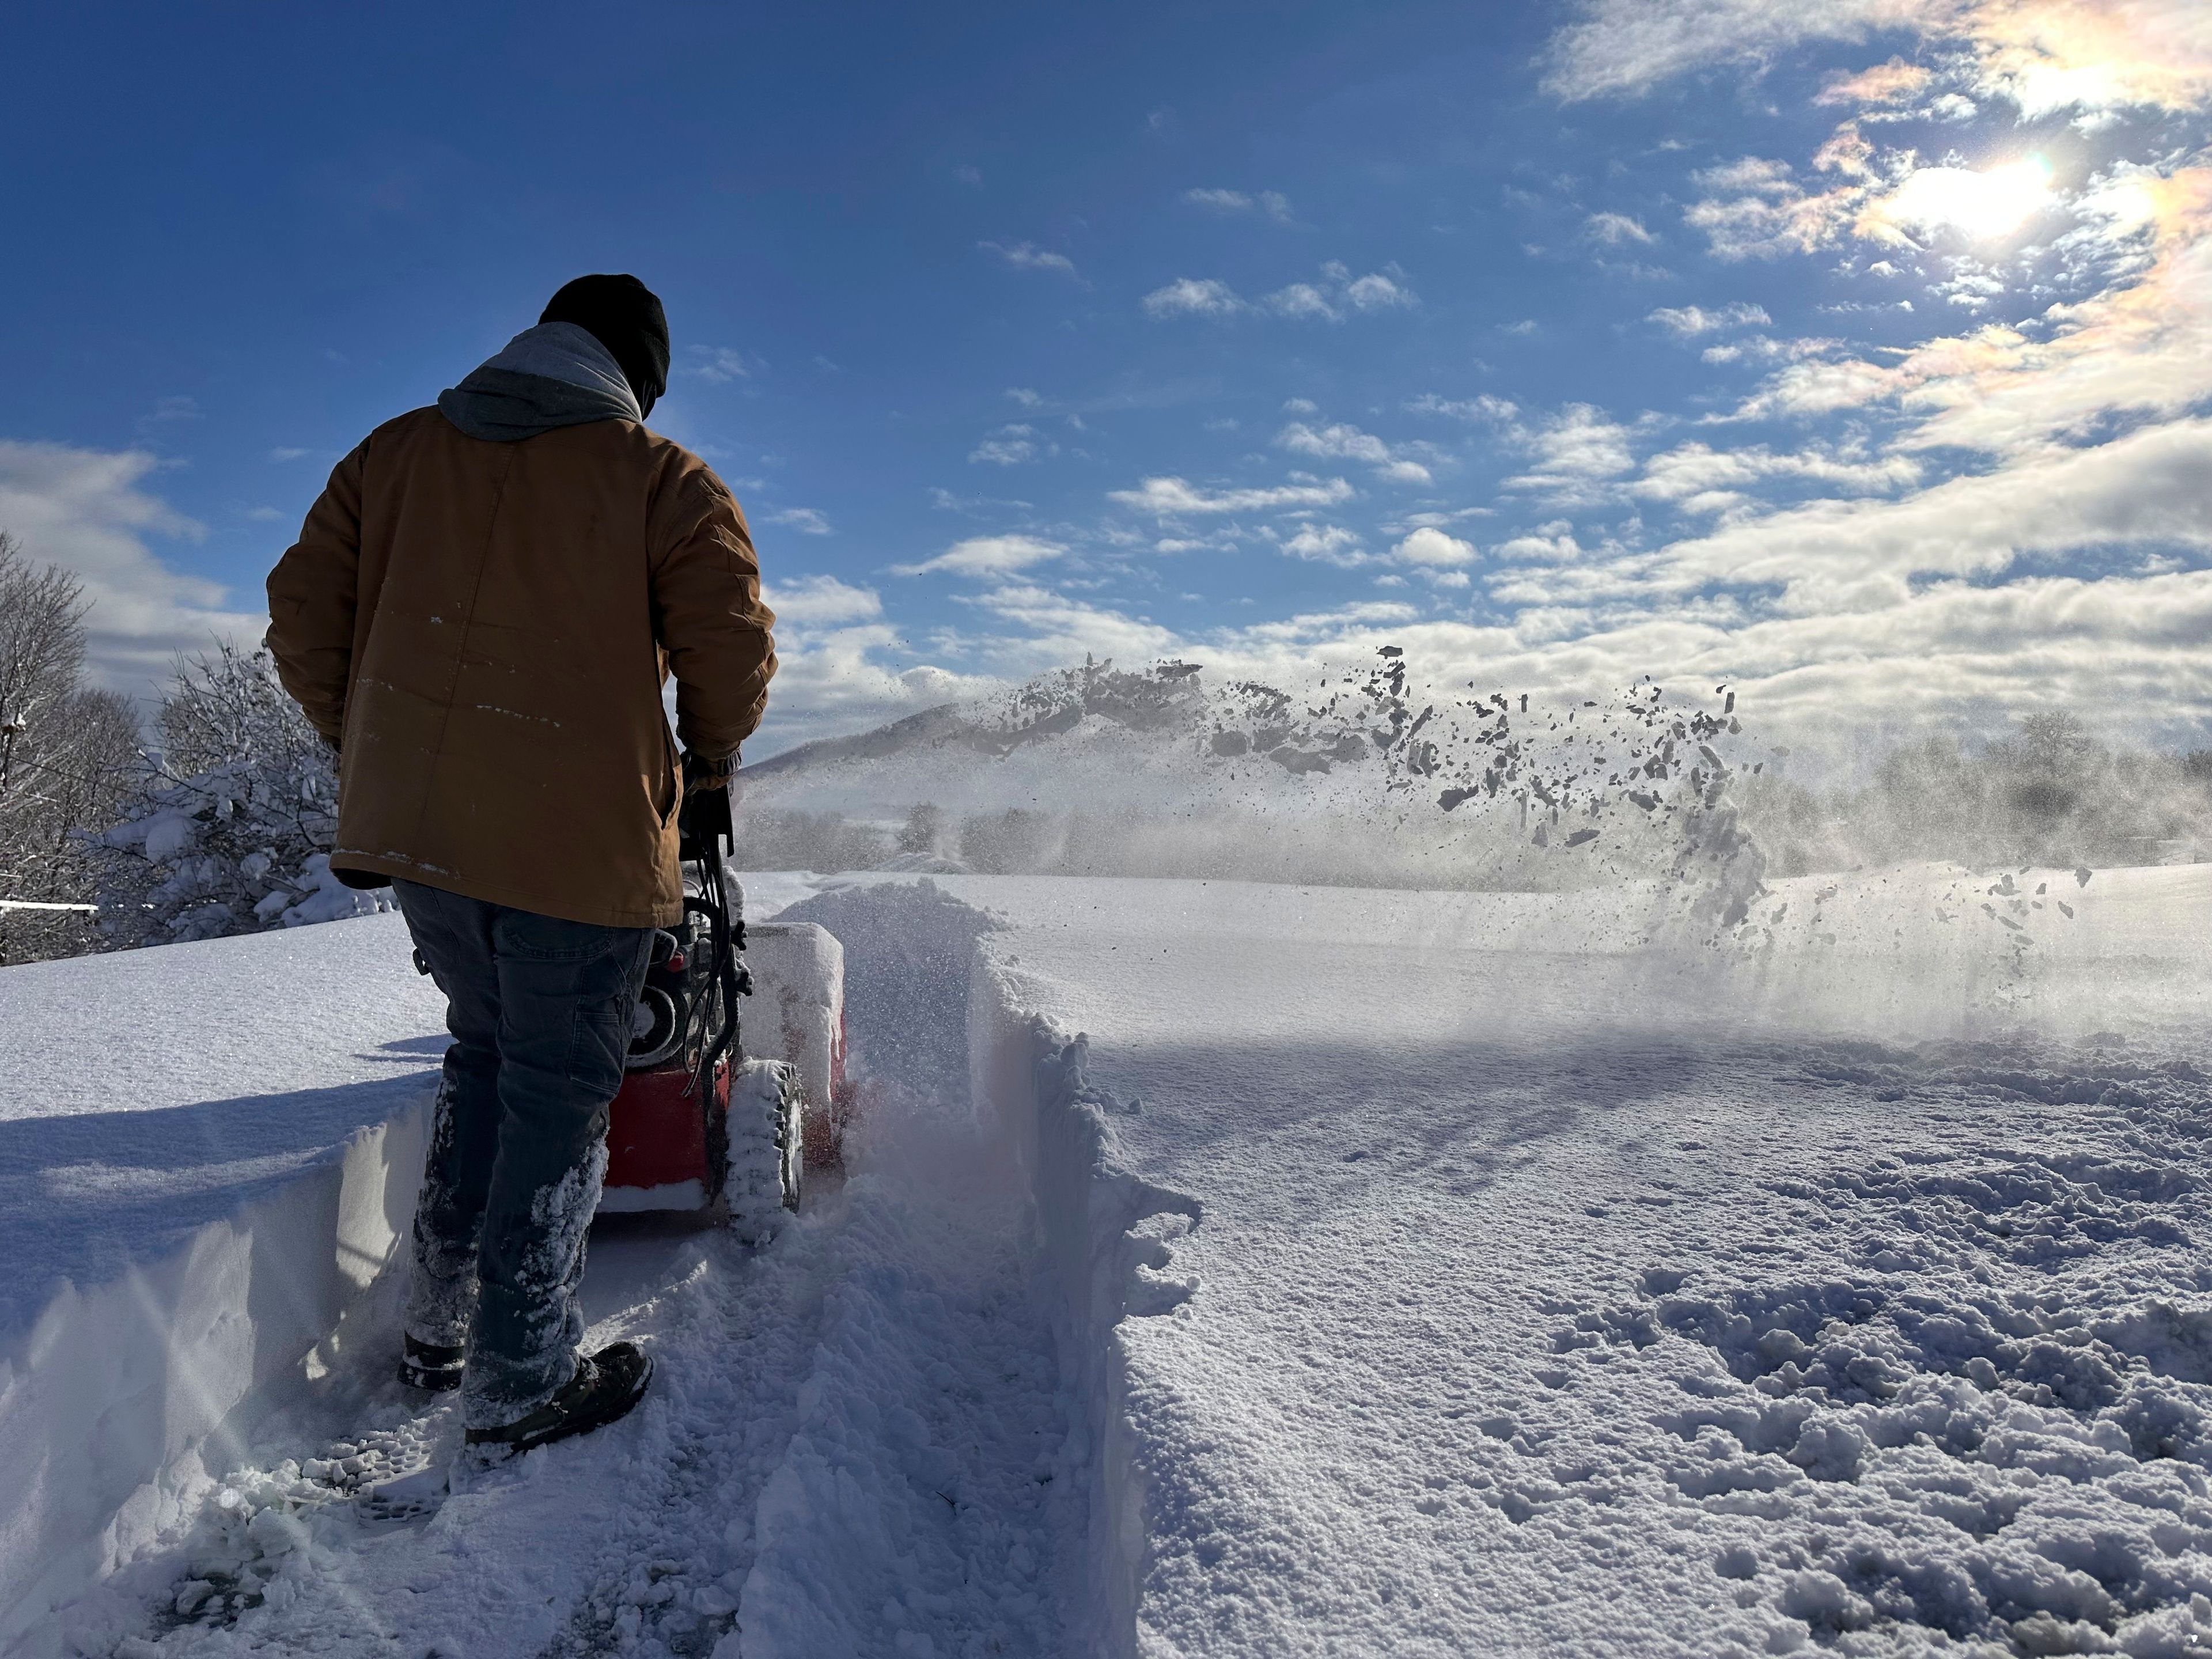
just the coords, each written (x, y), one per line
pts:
(700, 1125)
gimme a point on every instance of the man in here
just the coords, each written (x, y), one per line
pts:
(479, 615)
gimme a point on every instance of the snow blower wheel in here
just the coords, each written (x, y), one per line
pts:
(698, 1127)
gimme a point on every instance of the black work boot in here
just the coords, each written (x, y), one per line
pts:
(605, 1386)
(433, 1368)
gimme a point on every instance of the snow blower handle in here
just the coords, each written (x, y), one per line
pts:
(702, 822)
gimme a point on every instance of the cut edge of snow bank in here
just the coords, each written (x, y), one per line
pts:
(123, 1398)
(1105, 1232)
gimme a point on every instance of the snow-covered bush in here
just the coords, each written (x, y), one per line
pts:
(66, 753)
(229, 831)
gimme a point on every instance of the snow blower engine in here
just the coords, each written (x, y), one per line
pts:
(700, 1125)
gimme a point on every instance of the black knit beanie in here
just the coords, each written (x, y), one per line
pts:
(625, 317)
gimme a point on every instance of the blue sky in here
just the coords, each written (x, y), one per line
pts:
(1854, 352)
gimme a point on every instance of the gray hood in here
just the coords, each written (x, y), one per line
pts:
(556, 375)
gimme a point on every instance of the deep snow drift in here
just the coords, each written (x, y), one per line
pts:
(1395, 1271)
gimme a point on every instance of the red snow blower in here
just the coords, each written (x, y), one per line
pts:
(702, 1123)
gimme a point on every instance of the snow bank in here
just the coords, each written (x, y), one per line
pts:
(1454, 1270)
(208, 1154)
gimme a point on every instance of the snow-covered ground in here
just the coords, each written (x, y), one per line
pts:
(1384, 1272)
(1501, 1288)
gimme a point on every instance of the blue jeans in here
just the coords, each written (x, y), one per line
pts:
(540, 1012)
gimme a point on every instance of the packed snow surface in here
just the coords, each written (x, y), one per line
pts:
(1385, 1271)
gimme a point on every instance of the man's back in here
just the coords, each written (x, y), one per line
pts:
(486, 627)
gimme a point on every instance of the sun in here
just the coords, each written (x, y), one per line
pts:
(1984, 206)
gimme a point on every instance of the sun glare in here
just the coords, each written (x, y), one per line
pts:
(1981, 206)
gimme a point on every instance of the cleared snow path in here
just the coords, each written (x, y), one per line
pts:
(859, 1441)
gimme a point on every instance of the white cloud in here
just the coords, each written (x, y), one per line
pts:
(1326, 544)
(2141, 346)
(1434, 548)
(1757, 210)
(717, 364)
(2043, 56)
(1615, 229)
(1376, 292)
(1336, 297)
(287, 454)
(1579, 447)
(836, 680)
(821, 601)
(1627, 46)
(987, 556)
(1482, 407)
(1024, 396)
(1028, 256)
(1302, 299)
(1170, 497)
(1055, 630)
(2146, 489)
(1267, 203)
(1699, 478)
(1010, 446)
(804, 520)
(1189, 296)
(1343, 442)
(87, 511)
(1892, 83)
(1688, 322)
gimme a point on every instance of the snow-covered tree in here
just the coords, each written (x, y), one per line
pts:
(230, 831)
(66, 753)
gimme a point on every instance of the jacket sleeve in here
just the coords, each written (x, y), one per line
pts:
(709, 615)
(313, 594)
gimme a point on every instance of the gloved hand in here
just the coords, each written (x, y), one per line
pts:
(700, 773)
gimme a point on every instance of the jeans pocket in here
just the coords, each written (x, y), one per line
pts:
(598, 1043)
(528, 938)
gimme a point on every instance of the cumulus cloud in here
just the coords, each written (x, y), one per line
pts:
(2141, 348)
(820, 601)
(2146, 489)
(1028, 256)
(987, 556)
(1688, 322)
(1173, 497)
(1483, 408)
(1337, 295)
(90, 512)
(1699, 478)
(1615, 229)
(804, 520)
(1326, 544)
(1430, 547)
(1189, 296)
(1756, 209)
(1580, 445)
(1342, 442)
(1010, 446)
(1266, 204)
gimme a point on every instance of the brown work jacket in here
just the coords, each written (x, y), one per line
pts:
(484, 629)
